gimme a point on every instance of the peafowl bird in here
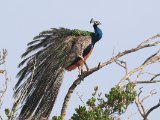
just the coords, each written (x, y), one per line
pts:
(51, 53)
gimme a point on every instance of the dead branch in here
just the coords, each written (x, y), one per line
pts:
(139, 104)
(80, 97)
(151, 109)
(151, 56)
(152, 92)
(3, 55)
(1, 118)
(69, 93)
(155, 76)
(146, 81)
(150, 60)
(2, 61)
(122, 64)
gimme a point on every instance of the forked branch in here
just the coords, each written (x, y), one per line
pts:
(146, 44)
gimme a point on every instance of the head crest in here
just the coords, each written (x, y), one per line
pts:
(95, 22)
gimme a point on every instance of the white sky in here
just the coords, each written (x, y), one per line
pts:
(125, 23)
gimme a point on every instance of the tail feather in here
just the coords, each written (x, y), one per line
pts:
(45, 107)
(43, 96)
(41, 77)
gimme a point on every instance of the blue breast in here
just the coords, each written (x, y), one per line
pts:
(97, 35)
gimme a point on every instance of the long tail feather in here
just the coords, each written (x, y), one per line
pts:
(45, 101)
(41, 77)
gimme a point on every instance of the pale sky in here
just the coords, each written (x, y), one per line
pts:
(125, 23)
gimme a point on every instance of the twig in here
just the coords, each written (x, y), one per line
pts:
(3, 56)
(122, 64)
(146, 81)
(146, 41)
(151, 109)
(139, 75)
(5, 82)
(154, 77)
(151, 56)
(2, 61)
(1, 117)
(152, 92)
(80, 97)
(141, 67)
(139, 104)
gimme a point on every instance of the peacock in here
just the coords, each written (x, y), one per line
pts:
(44, 62)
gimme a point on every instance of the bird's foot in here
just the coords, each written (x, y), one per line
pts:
(81, 71)
(81, 57)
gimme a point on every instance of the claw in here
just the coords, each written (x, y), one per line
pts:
(84, 62)
(79, 70)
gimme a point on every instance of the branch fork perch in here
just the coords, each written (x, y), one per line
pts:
(85, 74)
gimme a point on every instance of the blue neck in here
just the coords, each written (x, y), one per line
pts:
(97, 35)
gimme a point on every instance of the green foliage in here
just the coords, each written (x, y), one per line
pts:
(118, 99)
(77, 32)
(100, 108)
(96, 113)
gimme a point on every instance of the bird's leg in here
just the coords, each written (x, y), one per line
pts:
(86, 65)
(84, 62)
(79, 70)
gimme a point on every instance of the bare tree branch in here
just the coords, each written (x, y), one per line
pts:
(1, 118)
(144, 44)
(149, 61)
(155, 77)
(139, 104)
(80, 97)
(122, 64)
(151, 109)
(2, 61)
(3, 55)
(152, 92)
(69, 93)
(151, 57)
(146, 81)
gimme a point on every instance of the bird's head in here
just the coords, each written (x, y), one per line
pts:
(96, 23)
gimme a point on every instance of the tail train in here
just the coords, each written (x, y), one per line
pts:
(45, 60)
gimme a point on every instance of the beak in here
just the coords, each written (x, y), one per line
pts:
(95, 22)
(91, 21)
